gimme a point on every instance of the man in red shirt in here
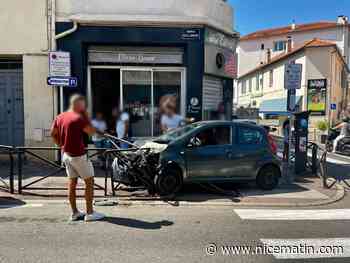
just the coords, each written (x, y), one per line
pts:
(68, 132)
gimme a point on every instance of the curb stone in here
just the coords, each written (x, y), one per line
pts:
(339, 195)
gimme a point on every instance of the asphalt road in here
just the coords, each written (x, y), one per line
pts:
(41, 233)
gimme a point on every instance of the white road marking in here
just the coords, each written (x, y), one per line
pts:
(307, 248)
(21, 206)
(278, 193)
(293, 215)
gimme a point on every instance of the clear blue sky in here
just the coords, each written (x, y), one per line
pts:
(253, 15)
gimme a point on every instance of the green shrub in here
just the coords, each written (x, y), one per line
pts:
(322, 125)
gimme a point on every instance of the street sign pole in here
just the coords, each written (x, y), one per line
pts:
(59, 67)
(292, 82)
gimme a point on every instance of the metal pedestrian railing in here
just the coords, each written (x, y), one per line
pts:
(329, 179)
(57, 167)
(9, 151)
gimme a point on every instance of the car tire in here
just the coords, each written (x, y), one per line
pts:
(169, 181)
(268, 177)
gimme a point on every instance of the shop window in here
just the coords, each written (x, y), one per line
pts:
(250, 85)
(166, 87)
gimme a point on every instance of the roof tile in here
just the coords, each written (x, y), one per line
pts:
(288, 29)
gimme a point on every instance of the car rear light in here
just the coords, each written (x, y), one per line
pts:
(272, 144)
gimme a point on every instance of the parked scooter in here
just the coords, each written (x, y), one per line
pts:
(343, 146)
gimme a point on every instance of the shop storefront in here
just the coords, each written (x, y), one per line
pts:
(133, 68)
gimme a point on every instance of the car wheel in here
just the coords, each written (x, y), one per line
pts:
(169, 181)
(268, 177)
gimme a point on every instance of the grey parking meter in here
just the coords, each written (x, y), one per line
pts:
(301, 132)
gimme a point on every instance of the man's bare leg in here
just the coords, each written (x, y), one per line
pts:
(89, 194)
(72, 196)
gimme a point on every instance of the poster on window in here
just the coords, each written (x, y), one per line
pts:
(316, 95)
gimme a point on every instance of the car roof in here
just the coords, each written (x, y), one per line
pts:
(240, 122)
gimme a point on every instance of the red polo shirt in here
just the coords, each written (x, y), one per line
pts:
(70, 127)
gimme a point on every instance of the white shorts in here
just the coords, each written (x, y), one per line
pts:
(79, 166)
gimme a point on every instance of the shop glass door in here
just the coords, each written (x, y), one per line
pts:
(143, 91)
(166, 87)
(137, 101)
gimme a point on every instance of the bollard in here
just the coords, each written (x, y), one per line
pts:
(314, 159)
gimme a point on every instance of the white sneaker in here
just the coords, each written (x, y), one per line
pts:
(95, 216)
(76, 216)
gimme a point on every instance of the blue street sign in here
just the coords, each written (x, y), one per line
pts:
(333, 106)
(63, 81)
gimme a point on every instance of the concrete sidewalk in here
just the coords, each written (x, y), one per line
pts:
(306, 191)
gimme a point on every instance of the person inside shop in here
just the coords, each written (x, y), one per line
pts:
(100, 124)
(170, 120)
(344, 128)
(286, 130)
(112, 121)
(99, 141)
(122, 128)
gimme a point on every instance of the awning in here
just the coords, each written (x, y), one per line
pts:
(276, 106)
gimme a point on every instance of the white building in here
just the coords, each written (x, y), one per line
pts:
(159, 41)
(324, 82)
(254, 48)
(25, 100)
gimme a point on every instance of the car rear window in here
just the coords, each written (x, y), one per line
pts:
(247, 135)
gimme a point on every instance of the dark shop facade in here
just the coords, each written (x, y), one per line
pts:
(134, 67)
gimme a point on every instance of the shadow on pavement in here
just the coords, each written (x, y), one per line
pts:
(7, 202)
(135, 223)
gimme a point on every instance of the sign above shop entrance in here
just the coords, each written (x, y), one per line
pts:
(191, 34)
(133, 56)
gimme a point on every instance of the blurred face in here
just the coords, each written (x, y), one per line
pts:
(115, 112)
(99, 115)
(80, 106)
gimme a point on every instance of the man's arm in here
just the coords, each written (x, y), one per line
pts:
(87, 125)
(55, 136)
(90, 130)
(339, 126)
(55, 133)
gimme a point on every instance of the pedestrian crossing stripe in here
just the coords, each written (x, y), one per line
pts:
(293, 215)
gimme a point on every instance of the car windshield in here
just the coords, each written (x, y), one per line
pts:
(177, 133)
